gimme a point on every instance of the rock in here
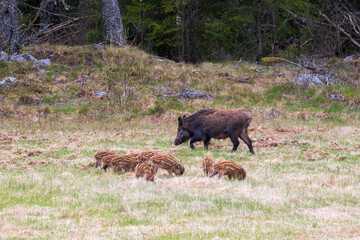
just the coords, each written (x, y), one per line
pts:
(335, 96)
(17, 58)
(22, 58)
(86, 77)
(272, 113)
(100, 93)
(190, 95)
(42, 71)
(8, 80)
(30, 58)
(348, 59)
(166, 87)
(184, 95)
(309, 80)
(4, 56)
(186, 87)
(156, 89)
(45, 62)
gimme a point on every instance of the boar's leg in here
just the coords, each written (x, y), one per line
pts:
(104, 167)
(245, 137)
(192, 143)
(196, 137)
(206, 143)
(155, 167)
(234, 140)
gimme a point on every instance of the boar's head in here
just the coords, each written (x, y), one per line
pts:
(182, 134)
(179, 170)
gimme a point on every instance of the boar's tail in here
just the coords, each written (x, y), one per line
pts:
(248, 122)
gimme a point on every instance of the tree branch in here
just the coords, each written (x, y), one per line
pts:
(353, 25)
(323, 70)
(38, 13)
(340, 29)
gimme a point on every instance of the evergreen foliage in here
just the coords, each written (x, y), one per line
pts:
(212, 30)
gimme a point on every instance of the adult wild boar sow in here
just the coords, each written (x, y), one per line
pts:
(215, 123)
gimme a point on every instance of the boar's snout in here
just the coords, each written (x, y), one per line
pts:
(182, 136)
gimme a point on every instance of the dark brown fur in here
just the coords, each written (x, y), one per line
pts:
(214, 123)
(208, 166)
(98, 156)
(145, 171)
(230, 168)
(168, 163)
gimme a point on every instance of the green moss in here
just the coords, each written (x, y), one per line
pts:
(269, 60)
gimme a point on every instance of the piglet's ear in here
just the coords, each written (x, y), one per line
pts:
(179, 166)
(180, 121)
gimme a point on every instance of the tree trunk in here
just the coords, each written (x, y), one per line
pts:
(112, 22)
(259, 37)
(9, 34)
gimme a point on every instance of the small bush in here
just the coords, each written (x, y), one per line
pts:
(83, 110)
(158, 109)
(25, 100)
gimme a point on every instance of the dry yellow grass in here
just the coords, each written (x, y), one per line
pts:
(302, 183)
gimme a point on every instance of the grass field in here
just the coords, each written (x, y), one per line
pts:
(302, 183)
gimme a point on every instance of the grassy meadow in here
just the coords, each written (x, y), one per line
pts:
(302, 183)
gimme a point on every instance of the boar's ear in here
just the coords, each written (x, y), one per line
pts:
(184, 116)
(180, 121)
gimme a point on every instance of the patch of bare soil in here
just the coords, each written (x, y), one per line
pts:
(6, 147)
(304, 115)
(5, 139)
(36, 163)
(314, 155)
(34, 153)
(287, 131)
(267, 142)
(338, 147)
(273, 142)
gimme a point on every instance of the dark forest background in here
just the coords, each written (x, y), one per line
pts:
(199, 30)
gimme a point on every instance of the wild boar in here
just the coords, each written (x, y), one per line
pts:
(214, 123)
(208, 166)
(104, 162)
(98, 156)
(134, 155)
(145, 171)
(229, 168)
(123, 162)
(145, 156)
(168, 163)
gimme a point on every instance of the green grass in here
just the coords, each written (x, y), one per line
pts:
(50, 189)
